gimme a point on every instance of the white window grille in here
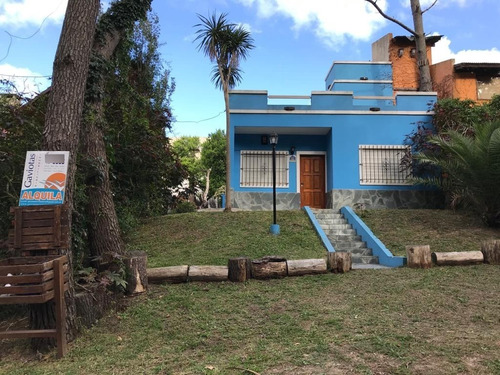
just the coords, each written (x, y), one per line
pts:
(256, 169)
(382, 165)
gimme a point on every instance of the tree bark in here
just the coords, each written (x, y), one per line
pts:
(419, 256)
(104, 230)
(491, 251)
(207, 273)
(339, 262)
(240, 269)
(302, 267)
(421, 47)
(270, 267)
(173, 274)
(62, 128)
(136, 269)
(228, 207)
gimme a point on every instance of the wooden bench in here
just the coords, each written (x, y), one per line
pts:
(39, 234)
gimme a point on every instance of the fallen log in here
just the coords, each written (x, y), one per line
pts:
(457, 258)
(306, 267)
(418, 256)
(270, 267)
(174, 274)
(239, 269)
(491, 251)
(207, 273)
(339, 262)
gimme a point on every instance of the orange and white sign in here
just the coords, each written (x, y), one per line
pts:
(44, 179)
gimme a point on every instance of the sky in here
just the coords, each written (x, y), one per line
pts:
(296, 42)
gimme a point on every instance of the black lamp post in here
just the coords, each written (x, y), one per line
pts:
(273, 140)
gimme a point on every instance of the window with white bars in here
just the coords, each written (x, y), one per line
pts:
(256, 169)
(382, 165)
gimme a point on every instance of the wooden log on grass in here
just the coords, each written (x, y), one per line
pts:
(457, 258)
(339, 262)
(174, 274)
(419, 256)
(137, 276)
(270, 267)
(306, 267)
(491, 251)
(207, 273)
(239, 269)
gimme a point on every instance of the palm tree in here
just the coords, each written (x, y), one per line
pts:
(472, 168)
(225, 44)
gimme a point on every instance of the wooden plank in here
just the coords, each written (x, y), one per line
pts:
(22, 260)
(57, 227)
(41, 246)
(21, 334)
(18, 220)
(27, 289)
(60, 307)
(41, 298)
(26, 279)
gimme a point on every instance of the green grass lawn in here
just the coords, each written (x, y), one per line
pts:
(443, 230)
(445, 320)
(211, 238)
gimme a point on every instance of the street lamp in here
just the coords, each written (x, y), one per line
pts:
(273, 140)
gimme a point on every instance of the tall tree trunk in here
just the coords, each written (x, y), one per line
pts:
(104, 232)
(228, 151)
(425, 82)
(62, 126)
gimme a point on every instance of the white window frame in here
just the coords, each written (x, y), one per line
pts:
(381, 165)
(256, 169)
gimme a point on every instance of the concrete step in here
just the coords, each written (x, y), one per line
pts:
(336, 226)
(346, 237)
(362, 259)
(356, 251)
(332, 221)
(340, 232)
(348, 244)
(328, 216)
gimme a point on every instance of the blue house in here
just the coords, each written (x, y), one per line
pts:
(341, 146)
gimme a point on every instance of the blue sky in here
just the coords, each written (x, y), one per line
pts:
(296, 42)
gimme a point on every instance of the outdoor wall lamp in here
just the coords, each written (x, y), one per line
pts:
(273, 141)
(400, 52)
(292, 150)
(289, 108)
(413, 52)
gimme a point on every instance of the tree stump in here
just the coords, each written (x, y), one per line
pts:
(137, 275)
(339, 262)
(239, 269)
(419, 256)
(306, 267)
(457, 258)
(207, 273)
(270, 267)
(173, 274)
(491, 251)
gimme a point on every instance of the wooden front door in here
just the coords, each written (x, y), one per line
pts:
(312, 181)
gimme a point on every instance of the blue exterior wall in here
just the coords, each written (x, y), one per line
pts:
(335, 123)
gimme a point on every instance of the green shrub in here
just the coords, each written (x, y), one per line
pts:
(185, 206)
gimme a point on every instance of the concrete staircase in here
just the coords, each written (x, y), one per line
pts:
(343, 237)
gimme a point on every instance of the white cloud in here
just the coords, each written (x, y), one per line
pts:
(22, 13)
(24, 82)
(442, 52)
(332, 21)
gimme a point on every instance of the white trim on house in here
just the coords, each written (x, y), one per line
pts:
(307, 153)
(328, 112)
(385, 81)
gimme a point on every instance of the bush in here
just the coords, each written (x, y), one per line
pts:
(185, 206)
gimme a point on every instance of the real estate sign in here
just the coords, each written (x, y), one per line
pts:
(44, 178)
